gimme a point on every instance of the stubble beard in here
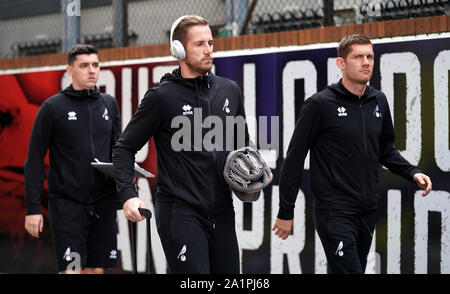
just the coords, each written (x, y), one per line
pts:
(198, 68)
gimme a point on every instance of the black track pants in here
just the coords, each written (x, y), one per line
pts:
(197, 244)
(346, 239)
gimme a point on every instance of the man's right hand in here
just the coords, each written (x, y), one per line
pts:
(34, 224)
(130, 209)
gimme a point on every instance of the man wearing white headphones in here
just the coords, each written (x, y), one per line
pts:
(194, 209)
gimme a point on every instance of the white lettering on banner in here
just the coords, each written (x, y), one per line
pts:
(408, 63)
(269, 152)
(294, 70)
(394, 213)
(373, 258)
(66, 80)
(127, 111)
(249, 239)
(250, 99)
(334, 73)
(142, 154)
(123, 241)
(320, 261)
(441, 115)
(142, 82)
(294, 244)
(438, 201)
(159, 258)
(106, 79)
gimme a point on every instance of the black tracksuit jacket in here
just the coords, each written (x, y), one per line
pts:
(194, 178)
(76, 127)
(348, 138)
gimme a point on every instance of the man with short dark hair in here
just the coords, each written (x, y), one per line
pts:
(194, 209)
(77, 125)
(349, 131)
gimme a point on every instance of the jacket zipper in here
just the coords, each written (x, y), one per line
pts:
(365, 148)
(213, 152)
(91, 135)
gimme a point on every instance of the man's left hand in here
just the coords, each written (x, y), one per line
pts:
(424, 182)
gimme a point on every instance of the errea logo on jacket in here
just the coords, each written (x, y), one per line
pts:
(342, 111)
(187, 110)
(71, 115)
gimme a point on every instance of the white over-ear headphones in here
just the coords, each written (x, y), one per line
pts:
(176, 48)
